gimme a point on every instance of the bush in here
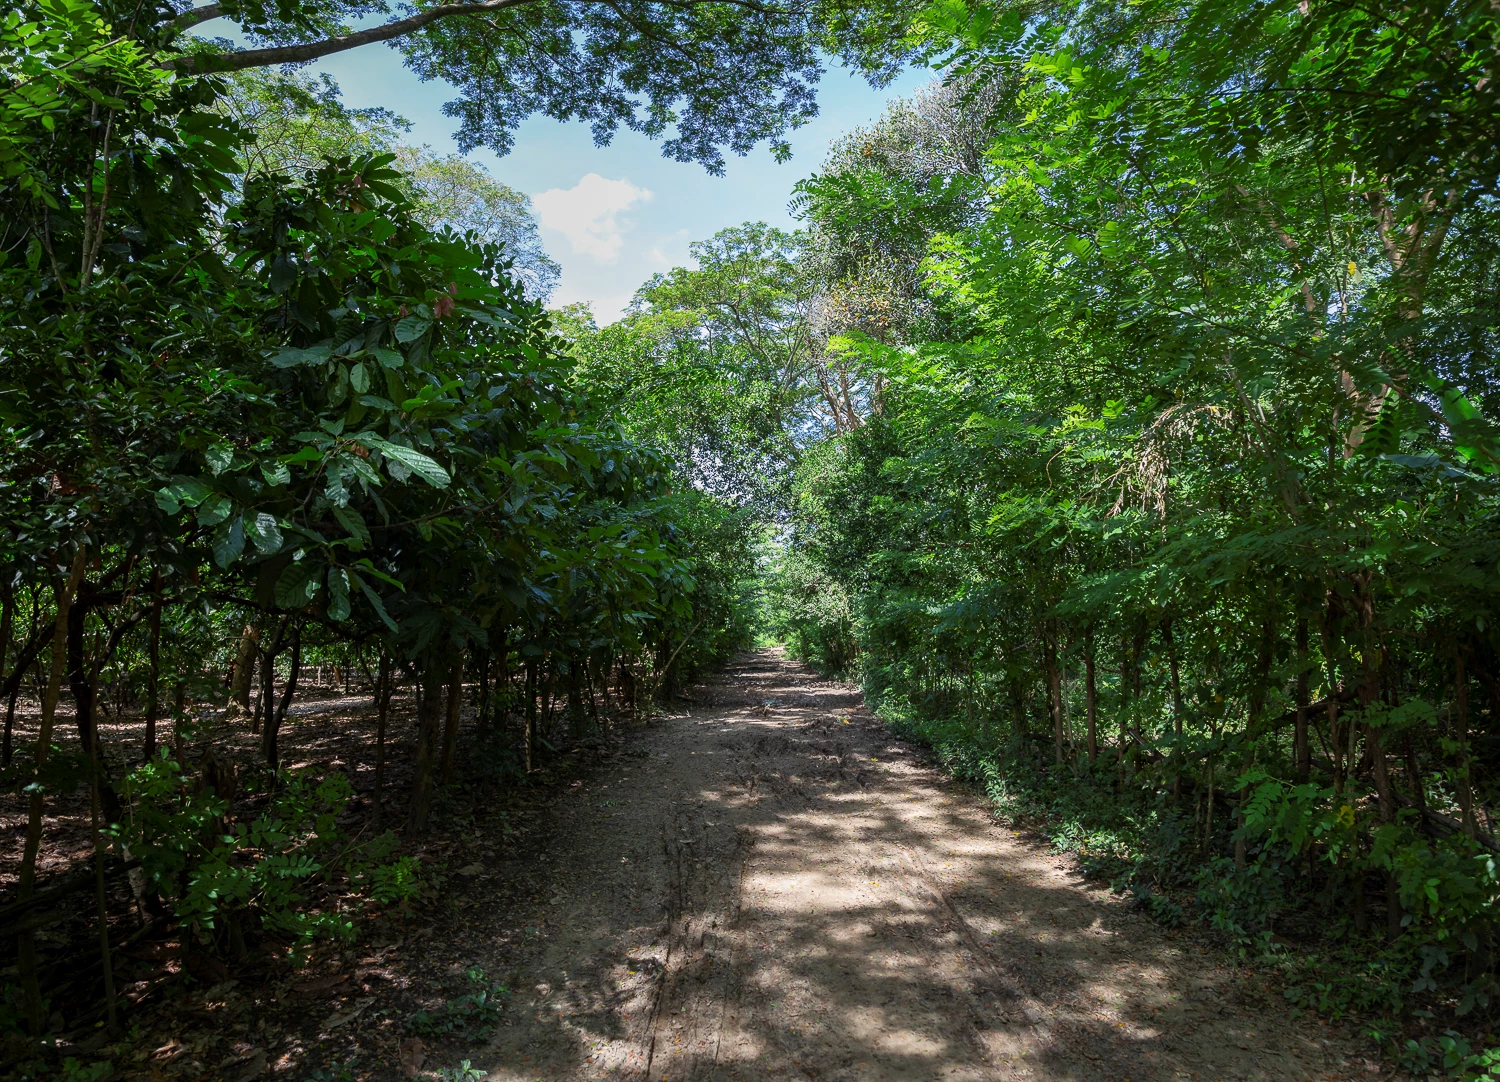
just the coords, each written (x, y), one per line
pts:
(223, 875)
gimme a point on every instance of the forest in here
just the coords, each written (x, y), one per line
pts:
(1121, 417)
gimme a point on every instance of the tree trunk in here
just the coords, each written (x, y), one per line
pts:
(1176, 675)
(243, 680)
(1257, 707)
(575, 698)
(429, 736)
(1461, 710)
(455, 710)
(101, 903)
(549, 694)
(36, 805)
(486, 664)
(1414, 778)
(530, 734)
(588, 681)
(1387, 797)
(7, 621)
(273, 723)
(153, 672)
(78, 677)
(1090, 695)
(1054, 694)
(10, 727)
(1301, 747)
(179, 710)
(1334, 729)
(627, 688)
(262, 715)
(383, 690)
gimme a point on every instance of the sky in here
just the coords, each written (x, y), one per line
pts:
(613, 216)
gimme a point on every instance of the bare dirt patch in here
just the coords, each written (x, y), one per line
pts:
(768, 885)
(776, 888)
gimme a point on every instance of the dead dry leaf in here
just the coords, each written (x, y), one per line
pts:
(411, 1053)
(319, 986)
(335, 1020)
(252, 1067)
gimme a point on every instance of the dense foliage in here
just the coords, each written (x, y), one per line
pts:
(263, 407)
(703, 76)
(1123, 417)
(1174, 518)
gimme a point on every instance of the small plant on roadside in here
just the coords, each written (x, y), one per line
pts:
(334, 1072)
(76, 1071)
(387, 881)
(464, 1072)
(472, 1014)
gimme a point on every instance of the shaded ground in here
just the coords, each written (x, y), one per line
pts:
(779, 890)
(769, 886)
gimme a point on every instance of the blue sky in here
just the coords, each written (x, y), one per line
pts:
(612, 216)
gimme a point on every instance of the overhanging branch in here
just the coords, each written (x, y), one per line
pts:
(300, 54)
(313, 50)
(191, 18)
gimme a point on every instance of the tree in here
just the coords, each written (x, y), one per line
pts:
(454, 192)
(706, 74)
(723, 364)
(284, 401)
(297, 122)
(1189, 450)
(868, 248)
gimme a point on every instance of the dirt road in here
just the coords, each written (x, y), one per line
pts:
(775, 888)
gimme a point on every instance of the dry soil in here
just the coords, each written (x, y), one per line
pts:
(773, 887)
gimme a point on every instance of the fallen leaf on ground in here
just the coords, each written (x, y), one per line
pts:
(410, 1054)
(336, 1020)
(252, 1067)
(319, 986)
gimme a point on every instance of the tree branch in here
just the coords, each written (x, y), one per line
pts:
(191, 18)
(300, 54)
(204, 63)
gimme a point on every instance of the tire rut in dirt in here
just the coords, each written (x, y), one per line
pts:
(705, 860)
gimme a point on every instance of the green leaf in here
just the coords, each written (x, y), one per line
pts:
(352, 521)
(219, 457)
(291, 358)
(296, 585)
(229, 541)
(337, 494)
(338, 594)
(412, 460)
(377, 605)
(265, 533)
(359, 379)
(214, 511)
(276, 473)
(389, 358)
(410, 329)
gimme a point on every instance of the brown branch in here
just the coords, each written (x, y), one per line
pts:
(191, 18)
(299, 54)
(313, 50)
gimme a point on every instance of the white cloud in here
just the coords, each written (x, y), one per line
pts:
(671, 251)
(588, 214)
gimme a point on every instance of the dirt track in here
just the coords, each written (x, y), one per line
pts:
(774, 888)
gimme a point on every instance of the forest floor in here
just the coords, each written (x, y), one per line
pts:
(767, 886)
(779, 889)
